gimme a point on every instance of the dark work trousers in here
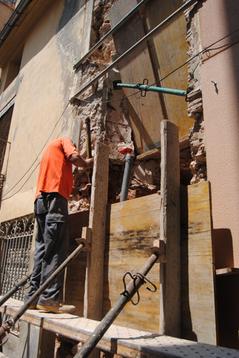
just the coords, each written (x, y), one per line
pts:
(51, 248)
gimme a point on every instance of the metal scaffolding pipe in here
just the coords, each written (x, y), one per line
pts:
(6, 326)
(131, 289)
(142, 40)
(14, 289)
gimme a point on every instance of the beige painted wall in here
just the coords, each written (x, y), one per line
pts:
(40, 112)
(221, 112)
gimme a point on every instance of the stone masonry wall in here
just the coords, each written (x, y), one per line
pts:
(195, 105)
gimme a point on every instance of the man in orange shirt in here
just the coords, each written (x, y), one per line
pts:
(54, 187)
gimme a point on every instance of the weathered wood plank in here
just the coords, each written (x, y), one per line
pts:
(170, 305)
(119, 340)
(93, 298)
(198, 297)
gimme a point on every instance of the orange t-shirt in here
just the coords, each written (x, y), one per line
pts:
(55, 169)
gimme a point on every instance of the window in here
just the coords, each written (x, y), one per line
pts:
(15, 245)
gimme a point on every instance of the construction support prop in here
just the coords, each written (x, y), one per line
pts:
(125, 297)
(14, 289)
(9, 323)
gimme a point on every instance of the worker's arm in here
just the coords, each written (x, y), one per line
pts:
(78, 161)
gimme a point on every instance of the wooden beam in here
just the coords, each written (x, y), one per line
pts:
(170, 230)
(124, 341)
(93, 299)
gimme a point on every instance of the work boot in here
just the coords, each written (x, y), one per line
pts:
(33, 306)
(56, 308)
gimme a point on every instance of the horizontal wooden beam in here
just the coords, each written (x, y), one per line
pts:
(119, 340)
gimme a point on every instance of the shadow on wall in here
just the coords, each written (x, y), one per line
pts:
(223, 249)
(227, 290)
(231, 10)
(49, 25)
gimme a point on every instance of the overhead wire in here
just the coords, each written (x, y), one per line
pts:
(207, 48)
(37, 157)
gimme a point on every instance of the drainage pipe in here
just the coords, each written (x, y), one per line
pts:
(125, 183)
(12, 21)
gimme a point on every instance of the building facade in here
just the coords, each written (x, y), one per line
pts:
(52, 82)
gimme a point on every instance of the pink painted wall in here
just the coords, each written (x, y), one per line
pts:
(221, 114)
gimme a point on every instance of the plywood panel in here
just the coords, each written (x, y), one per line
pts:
(75, 279)
(145, 113)
(162, 54)
(171, 49)
(134, 224)
(132, 227)
(198, 314)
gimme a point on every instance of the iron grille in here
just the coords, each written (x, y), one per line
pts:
(16, 240)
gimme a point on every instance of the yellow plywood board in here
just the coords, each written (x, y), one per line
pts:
(134, 225)
(171, 49)
(198, 267)
(145, 113)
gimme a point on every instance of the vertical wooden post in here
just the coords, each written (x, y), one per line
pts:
(170, 231)
(93, 299)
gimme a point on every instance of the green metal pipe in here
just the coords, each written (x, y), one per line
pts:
(142, 87)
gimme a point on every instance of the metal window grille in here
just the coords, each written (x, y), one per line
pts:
(15, 240)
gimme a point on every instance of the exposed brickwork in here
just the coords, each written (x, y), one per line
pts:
(195, 104)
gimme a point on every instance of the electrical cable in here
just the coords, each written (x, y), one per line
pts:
(27, 171)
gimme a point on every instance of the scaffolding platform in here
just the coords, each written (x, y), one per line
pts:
(119, 340)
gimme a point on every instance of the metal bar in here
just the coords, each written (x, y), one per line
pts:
(8, 264)
(142, 40)
(110, 32)
(131, 289)
(14, 289)
(139, 86)
(3, 258)
(88, 138)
